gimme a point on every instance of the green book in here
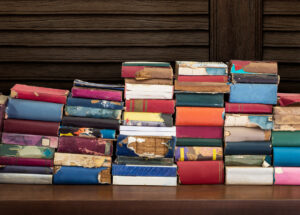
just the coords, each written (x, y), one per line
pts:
(200, 100)
(198, 142)
(286, 138)
(42, 152)
(248, 160)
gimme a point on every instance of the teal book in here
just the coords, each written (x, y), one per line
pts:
(286, 138)
(198, 142)
(92, 112)
(199, 100)
(9, 150)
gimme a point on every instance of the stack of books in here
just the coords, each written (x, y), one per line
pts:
(286, 139)
(146, 144)
(249, 121)
(200, 89)
(92, 117)
(30, 136)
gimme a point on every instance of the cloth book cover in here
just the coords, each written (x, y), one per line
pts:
(148, 147)
(248, 108)
(264, 122)
(287, 176)
(4, 160)
(128, 160)
(196, 153)
(253, 93)
(80, 83)
(87, 132)
(201, 68)
(31, 127)
(200, 172)
(144, 181)
(88, 161)
(286, 156)
(81, 145)
(90, 122)
(148, 131)
(240, 134)
(148, 91)
(147, 119)
(25, 178)
(253, 67)
(20, 91)
(199, 100)
(286, 99)
(29, 140)
(249, 176)
(42, 152)
(248, 148)
(254, 78)
(155, 81)
(92, 112)
(199, 142)
(95, 103)
(25, 169)
(286, 138)
(94, 93)
(150, 105)
(200, 116)
(203, 87)
(203, 78)
(248, 160)
(81, 175)
(34, 110)
(209, 132)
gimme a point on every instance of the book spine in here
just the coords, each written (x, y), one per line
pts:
(111, 95)
(198, 153)
(248, 160)
(125, 160)
(262, 121)
(25, 161)
(2, 116)
(247, 108)
(199, 100)
(154, 81)
(206, 87)
(92, 112)
(255, 78)
(286, 156)
(199, 142)
(286, 138)
(152, 119)
(130, 71)
(287, 119)
(286, 127)
(20, 178)
(87, 132)
(286, 110)
(141, 180)
(90, 122)
(287, 176)
(25, 169)
(153, 105)
(194, 71)
(248, 148)
(8, 150)
(285, 99)
(145, 72)
(253, 67)
(210, 132)
(94, 103)
(240, 134)
(203, 78)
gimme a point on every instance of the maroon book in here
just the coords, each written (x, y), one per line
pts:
(210, 132)
(285, 99)
(25, 161)
(151, 105)
(82, 145)
(247, 108)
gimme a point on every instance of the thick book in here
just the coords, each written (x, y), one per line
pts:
(210, 132)
(201, 68)
(148, 91)
(253, 93)
(254, 78)
(249, 176)
(147, 119)
(144, 180)
(286, 115)
(199, 142)
(90, 122)
(253, 67)
(200, 116)
(81, 175)
(80, 83)
(287, 176)
(240, 134)
(95, 103)
(248, 108)
(198, 153)
(148, 131)
(128, 160)
(31, 127)
(147, 147)
(92, 112)
(20, 91)
(286, 156)
(94, 93)
(26, 169)
(200, 172)
(147, 72)
(286, 111)
(87, 132)
(25, 178)
(150, 105)
(4, 160)
(203, 78)
(89, 161)
(264, 122)
(248, 148)
(81, 145)
(248, 160)
(29, 140)
(199, 100)
(286, 138)
(154, 81)
(202, 87)
(8, 150)
(286, 99)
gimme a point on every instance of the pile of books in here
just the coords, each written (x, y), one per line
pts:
(146, 144)
(92, 117)
(30, 136)
(249, 121)
(200, 89)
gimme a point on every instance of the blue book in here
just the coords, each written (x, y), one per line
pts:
(92, 112)
(94, 103)
(26, 169)
(141, 170)
(253, 93)
(286, 156)
(87, 132)
(81, 175)
(248, 148)
(34, 110)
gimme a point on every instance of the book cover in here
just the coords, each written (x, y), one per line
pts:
(90, 122)
(87, 132)
(92, 112)
(146, 63)
(147, 72)
(287, 176)
(148, 131)
(3, 103)
(25, 161)
(253, 67)
(126, 160)
(25, 178)
(34, 110)
(80, 83)
(199, 142)
(21, 91)
(287, 119)
(248, 148)
(95, 103)
(200, 172)
(154, 81)
(200, 68)
(203, 87)
(196, 153)
(148, 91)
(240, 134)
(147, 119)
(286, 99)
(81, 145)
(25, 169)
(8, 150)
(94, 93)
(248, 160)
(199, 100)
(286, 127)
(286, 156)
(286, 138)
(286, 111)
(255, 78)
(150, 105)
(144, 181)
(210, 132)
(203, 78)
(248, 108)
(264, 122)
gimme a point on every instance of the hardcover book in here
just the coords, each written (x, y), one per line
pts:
(248, 160)
(94, 93)
(148, 91)
(26, 169)
(286, 138)
(203, 78)
(240, 134)
(92, 112)
(87, 132)
(147, 72)
(80, 83)
(210, 132)
(286, 111)
(4, 160)
(264, 122)
(8, 150)
(3, 102)
(287, 176)
(287, 119)
(286, 156)
(126, 160)
(144, 180)
(253, 67)
(95, 103)
(248, 108)
(199, 142)
(199, 100)
(286, 99)
(203, 87)
(200, 68)
(286, 127)
(196, 153)
(150, 105)
(90, 122)
(248, 148)
(148, 131)
(21, 178)
(147, 119)
(254, 78)
(146, 63)
(155, 81)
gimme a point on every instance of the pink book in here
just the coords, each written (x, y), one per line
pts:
(203, 78)
(210, 132)
(285, 99)
(247, 108)
(25, 161)
(287, 176)
(92, 93)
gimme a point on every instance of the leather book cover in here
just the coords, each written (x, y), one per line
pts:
(20, 91)
(25, 161)
(204, 87)
(286, 138)
(150, 105)
(199, 142)
(254, 78)
(94, 93)
(25, 169)
(8, 150)
(200, 172)
(210, 132)
(81, 145)
(92, 112)
(147, 72)
(147, 119)
(203, 78)
(126, 160)
(90, 122)
(240, 134)
(198, 153)
(248, 160)
(199, 100)
(248, 108)
(155, 81)
(248, 148)
(87, 132)
(200, 116)
(193, 68)
(287, 175)
(25, 178)
(95, 103)
(286, 99)
(286, 156)
(253, 67)
(264, 122)
(148, 91)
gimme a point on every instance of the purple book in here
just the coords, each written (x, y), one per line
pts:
(29, 140)
(25, 161)
(82, 145)
(111, 95)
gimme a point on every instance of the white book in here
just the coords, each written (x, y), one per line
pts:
(24, 178)
(142, 180)
(148, 91)
(148, 131)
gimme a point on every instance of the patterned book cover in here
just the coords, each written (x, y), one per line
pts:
(286, 156)
(240, 134)
(203, 78)
(150, 105)
(42, 152)
(90, 122)
(87, 132)
(148, 91)
(248, 108)
(286, 138)
(147, 119)
(286, 99)
(210, 132)
(199, 100)
(199, 142)
(248, 148)
(196, 153)
(147, 72)
(92, 112)
(95, 103)
(201, 68)
(4, 160)
(203, 87)
(253, 67)
(25, 178)
(254, 78)
(248, 160)
(94, 93)
(287, 176)
(25, 169)
(264, 122)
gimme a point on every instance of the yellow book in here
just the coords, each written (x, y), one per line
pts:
(147, 119)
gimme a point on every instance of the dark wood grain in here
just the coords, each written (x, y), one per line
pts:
(279, 7)
(282, 23)
(282, 54)
(282, 39)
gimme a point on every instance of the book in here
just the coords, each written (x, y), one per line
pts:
(286, 111)
(210, 132)
(254, 78)
(253, 93)
(87, 132)
(95, 93)
(150, 105)
(88, 161)
(199, 142)
(147, 119)
(148, 91)
(154, 81)
(199, 100)
(146, 63)
(81, 145)
(26, 169)
(286, 127)
(248, 148)
(203, 78)
(253, 67)
(95, 103)
(3, 103)
(200, 172)
(21, 91)
(127, 160)
(286, 115)
(42, 152)
(203, 87)
(248, 160)
(240, 134)
(29, 140)
(80, 83)
(248, 108)
(286, 156)
(249, 176)
(148, 147)
(199, 116)
(196, 153)
(4, 160)
(148, 131)
(147, 72)
(92, 112)
(90, 122)
(200, 68)
(286, 99)
(286, 138)
(286, 176)
(264, 122)
(142, 180)
(34, 110)
(81, 175)
(25, 178)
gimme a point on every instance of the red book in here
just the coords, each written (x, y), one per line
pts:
(203, 78)
(210, 132)
(20, 91)
(285, 99)
(25, 161)
(247, 108)
(150, 105)
(200, 172)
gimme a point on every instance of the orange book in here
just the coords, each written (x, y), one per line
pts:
(204, 116)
